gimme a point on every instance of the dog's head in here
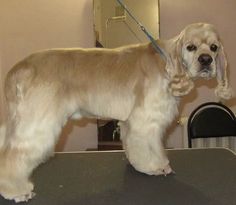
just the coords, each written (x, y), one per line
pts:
(198, 53)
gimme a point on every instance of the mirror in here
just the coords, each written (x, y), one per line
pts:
(113, 27)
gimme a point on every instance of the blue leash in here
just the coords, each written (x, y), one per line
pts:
(157, 48)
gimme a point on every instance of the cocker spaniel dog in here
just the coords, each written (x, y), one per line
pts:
(132, 84)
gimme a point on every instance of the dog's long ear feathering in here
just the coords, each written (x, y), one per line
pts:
(223, 90)
(180, 82)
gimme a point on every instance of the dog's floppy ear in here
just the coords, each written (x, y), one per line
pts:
(223, 90)
(180, 83)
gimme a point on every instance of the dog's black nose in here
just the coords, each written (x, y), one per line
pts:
(205, 59)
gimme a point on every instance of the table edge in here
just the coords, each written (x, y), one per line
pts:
(122, 151)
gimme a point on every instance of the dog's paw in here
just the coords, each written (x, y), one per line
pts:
(161, 171)
(17, 193)
(24, 198)
(165, 171)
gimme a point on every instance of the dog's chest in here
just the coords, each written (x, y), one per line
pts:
(158, 106)
(163, 107)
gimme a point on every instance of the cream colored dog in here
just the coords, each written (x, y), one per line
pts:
(131, 84)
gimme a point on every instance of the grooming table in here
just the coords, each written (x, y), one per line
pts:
(203, 177)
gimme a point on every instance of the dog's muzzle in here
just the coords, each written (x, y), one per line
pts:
(205, 61)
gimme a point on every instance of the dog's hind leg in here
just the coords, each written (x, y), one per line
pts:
(32, 131)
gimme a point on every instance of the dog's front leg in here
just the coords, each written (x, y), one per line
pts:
(144, 148)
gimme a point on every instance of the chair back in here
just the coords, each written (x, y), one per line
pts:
(211, 119)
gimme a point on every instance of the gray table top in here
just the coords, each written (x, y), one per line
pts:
(203, 177)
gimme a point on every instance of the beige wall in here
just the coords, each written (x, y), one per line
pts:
(30, 25)
(174, 16)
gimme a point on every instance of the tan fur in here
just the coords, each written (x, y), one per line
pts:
(132, 84)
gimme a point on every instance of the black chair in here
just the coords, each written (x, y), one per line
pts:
(211, 119)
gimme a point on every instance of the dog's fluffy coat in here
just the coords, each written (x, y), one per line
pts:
(131, 84)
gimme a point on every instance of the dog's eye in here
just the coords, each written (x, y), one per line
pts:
(213, 47)
(191, 47)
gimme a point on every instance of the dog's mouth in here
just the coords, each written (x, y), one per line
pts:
(205, 72)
